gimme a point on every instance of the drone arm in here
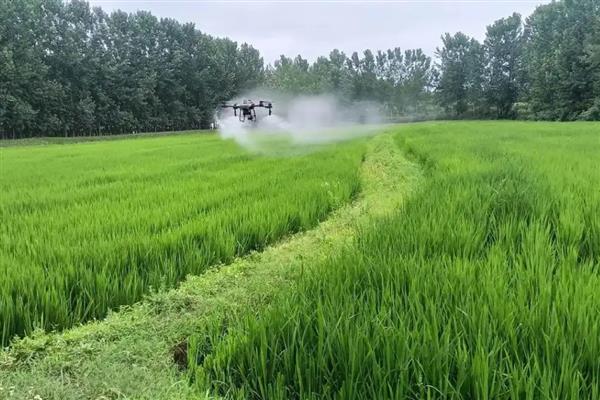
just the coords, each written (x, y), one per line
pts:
(266, 104)
(234, 106)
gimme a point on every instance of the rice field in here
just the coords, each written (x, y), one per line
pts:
(483, 285)
(87, 227)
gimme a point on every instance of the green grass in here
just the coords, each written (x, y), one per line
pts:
(483, 285)
(470, 272)
(47, 140)
(87, 227)
(129, 354)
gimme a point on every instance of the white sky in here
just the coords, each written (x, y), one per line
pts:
(315, 27)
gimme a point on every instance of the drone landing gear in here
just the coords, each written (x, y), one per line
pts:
(250, 114)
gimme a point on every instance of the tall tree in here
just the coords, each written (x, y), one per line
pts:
(417, 79)
(458, 64)
(593, 58)
(292, 75)
(559, 74)
(27, 92)
(503, 49)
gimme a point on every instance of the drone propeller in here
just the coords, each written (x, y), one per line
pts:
(266, 104)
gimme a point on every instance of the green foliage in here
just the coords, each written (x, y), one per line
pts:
(88, 227)
(563, 80)
(461, 64)
(484, 285)
(292, 76)
(503, 46)
(68, 70)
(400, 81)
(130, 351)
(546, 69)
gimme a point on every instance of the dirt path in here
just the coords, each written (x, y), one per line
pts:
(131, 354)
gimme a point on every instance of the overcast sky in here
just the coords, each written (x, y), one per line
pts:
(314, 27)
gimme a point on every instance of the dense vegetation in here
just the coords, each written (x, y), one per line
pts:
(483, 285)
(546, 67)
(87, 227)
(67, 70)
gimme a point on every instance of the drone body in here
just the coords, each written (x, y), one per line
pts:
(248, 109)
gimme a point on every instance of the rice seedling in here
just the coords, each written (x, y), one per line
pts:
(483, 285)
(87, 227)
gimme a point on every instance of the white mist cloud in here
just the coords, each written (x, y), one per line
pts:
(299, 121)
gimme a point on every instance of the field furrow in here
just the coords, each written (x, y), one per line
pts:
(88, 227)
(133, 353)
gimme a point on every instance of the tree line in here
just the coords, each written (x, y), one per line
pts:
(68, 69)
(546, 67)
(400, 81)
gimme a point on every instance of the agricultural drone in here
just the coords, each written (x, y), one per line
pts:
(248, 109)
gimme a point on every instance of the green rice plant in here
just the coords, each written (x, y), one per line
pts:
(483, 285)
(87, 227)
